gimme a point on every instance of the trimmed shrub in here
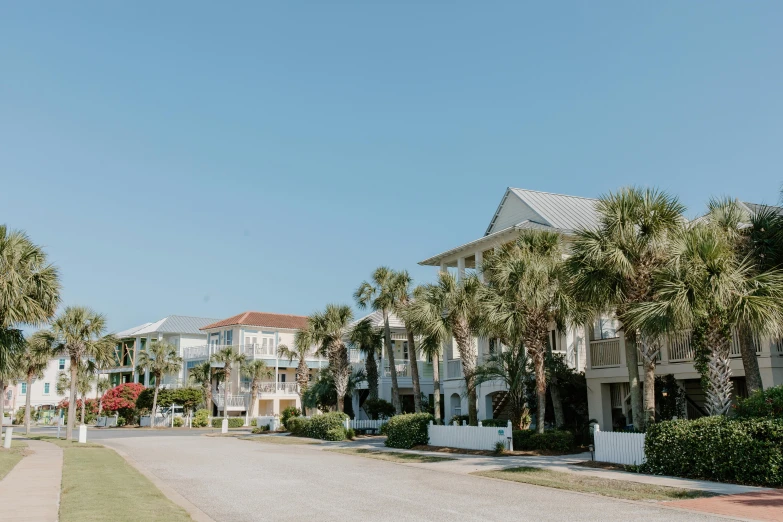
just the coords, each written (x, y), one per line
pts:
(320, 426)
(552, 440)
(200, 419)
(233, 422)
(289, 413)
(297, 425)
(494, 423)
(379, 409)
(762, 404)
(748, 451)
(261, 429)
(350, 434)
(335, 434)
(178, 422)
(253, 422)
(407, 431)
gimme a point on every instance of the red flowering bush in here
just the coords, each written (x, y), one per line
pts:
(90, 406)
(122, 400)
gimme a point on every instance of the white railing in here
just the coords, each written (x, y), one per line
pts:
(618, 447)
(454, 369)
(354, 355)
(403, 369)
(234, 401)
(470, 437)
(605, 353)
(680, 347)
(275, 387)
(196, 352)
(258, 350)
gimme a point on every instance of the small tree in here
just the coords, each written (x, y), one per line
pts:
(122, 400)
(368, 340)
(228, 358)
(511, 367)
(160, 359)
(202, 375)
(32, 363)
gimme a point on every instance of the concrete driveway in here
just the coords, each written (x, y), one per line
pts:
(236, 480)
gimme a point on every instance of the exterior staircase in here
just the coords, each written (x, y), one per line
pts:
(500, 406)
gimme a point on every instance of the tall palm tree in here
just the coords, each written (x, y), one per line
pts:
(525, 295)
(330, 328)
(612, 266)
(29, 290)
(159, 359)
(228, 357)
(368, 340)
(202, 375)
(33, 362)
(706, 288)
(452, 309)
(302, 348)
(379, 294)
(85, 375)
(79, 333)
(431, 347)
(401, 285)
(255, 370)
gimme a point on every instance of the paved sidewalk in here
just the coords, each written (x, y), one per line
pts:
(761, 505)
(465, 464)
(31, 491)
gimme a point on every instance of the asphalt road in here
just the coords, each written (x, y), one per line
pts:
(235, 480)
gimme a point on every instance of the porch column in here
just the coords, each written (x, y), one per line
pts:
(460, 269)
(479, 263)
(443, 267)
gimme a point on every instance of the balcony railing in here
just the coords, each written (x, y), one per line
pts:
(403, 369)
(273, 387)
(234, 401)
(258, 350)
(454, 369)
(605, 353)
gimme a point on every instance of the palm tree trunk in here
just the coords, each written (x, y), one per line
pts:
(27, 405)
(340, 402)
(371, 367)
(154, 404)
(225, 392)
(392, 367)
(72, 400)
(84, 400)
(414, 371)
(557, 401)
(749, 361)
(649, 391)
(719, 385)
(254, 399)
(538, 363)
(468, 356)
(632, 363)
(2, 404)
(436, 387)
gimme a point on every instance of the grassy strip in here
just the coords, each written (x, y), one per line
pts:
(281, 439)
(11, 457)
(391, 456)
(99, 485)
(589, 484)
(64, 443)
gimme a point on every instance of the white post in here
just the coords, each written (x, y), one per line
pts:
(511, 438)
(224, 427)
(9, 433)
(481, 425)
(479, 262)
(82, 434)
(460, 268)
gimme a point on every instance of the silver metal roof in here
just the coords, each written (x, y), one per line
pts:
(376, 318)
(567, 213)
(178, 324)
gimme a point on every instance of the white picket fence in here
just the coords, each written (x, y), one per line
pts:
(471, 437)
(618, 447)
(365, 424)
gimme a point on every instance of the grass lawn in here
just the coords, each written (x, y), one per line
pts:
(11, 457)
(64, 443)
(588, 484)
(281, 439)
(391, 456)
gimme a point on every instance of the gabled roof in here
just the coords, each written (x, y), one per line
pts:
(376, 318)
(179, 324)
(290, 322)
(560, 211)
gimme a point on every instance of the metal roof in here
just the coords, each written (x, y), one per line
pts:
(376, 318)
(179, 324)
(567, 213)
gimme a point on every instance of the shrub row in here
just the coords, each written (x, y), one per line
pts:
(747, 451)
(407, 431)
(329, 426)
(200, 419)
(233, 422)
(552, 440)
(762, 404)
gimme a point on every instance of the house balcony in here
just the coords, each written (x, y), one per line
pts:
(273, 388)
(235, 402)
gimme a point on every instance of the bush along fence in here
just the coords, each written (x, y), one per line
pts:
(619, 448)
(269, 420)
(471, 437)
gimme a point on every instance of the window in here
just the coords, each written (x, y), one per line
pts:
(229, 337)
(405, 350)
(492, 346)
(251, 341)
(61, 364)
(281, 377)
(46, 388)
(606, 327)
(24, 388)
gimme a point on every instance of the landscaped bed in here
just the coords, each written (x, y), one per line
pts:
(11, 457)
(391, 456)
(589, 484)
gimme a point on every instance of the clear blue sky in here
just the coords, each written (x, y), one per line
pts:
(190, 158)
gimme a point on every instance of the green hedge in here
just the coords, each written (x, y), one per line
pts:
(233, 422)
(551, 440)
(329, 426)
(407, 431)
(716, 448)
(762, 404)
(200, 419)
(494, 423)
(289, 413)
(296, 425)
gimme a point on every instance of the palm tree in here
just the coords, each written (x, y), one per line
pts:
(511, 367)
(202, 375)
(29, 290)
(368, 340)
(85, 374)
(255, 370)
(452, 309)
(101, 388)
(378, 294)
(78, 333)
(303, 346)
(706, 288)
(159, 359)
(431, 347)
(9, 374)
(329, 329)
(228, 358)
(612, 266)
(33, 361)
(401, 285)
(525, 294)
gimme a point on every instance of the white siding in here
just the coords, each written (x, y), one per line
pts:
(514, 211)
